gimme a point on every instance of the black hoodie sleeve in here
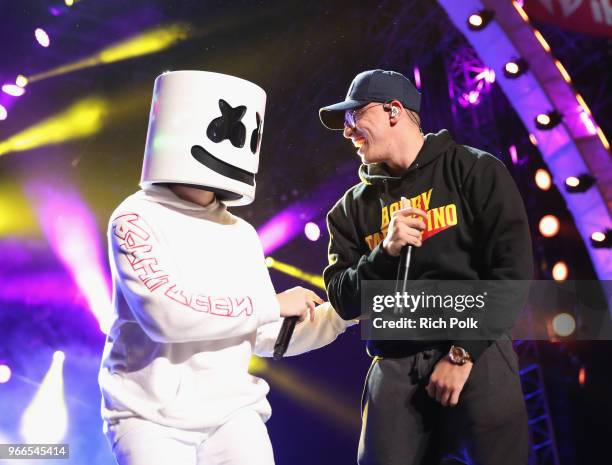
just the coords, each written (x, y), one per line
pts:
(505, 253)
(348, 265)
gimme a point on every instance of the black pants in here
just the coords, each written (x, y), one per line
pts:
(402, 425)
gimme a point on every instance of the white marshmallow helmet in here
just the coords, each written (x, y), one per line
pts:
(205, 131)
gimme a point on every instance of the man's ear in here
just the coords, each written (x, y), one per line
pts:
(394, 108)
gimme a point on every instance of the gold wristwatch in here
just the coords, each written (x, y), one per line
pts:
(458, 355)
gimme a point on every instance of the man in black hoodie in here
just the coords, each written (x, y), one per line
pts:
(428, 402)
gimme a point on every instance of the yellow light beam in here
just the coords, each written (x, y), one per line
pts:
(315, 280)
(308, 393)
(84, 118)
(16, 214)
(151, 41)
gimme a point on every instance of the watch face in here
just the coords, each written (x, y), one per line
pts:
(458, 354)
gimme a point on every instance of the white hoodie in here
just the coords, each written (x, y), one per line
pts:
(193, 300)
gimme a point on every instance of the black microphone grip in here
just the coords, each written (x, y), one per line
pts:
(284, 336)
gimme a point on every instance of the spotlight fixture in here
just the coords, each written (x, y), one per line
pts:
(560, 271)
(480, 20)
(5, 373)
(546, 121)
(542, 179)
(42, 37)
(3, 113)
(564, 324)
(601, 239)
(578, 184)
(515, 68)
(21, 81)
(13, 89)
(549, 226)
(312, 231)
(582, 375)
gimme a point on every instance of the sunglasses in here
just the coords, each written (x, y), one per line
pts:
(352, 116)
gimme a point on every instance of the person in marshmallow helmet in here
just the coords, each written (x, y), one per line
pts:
(192, 296)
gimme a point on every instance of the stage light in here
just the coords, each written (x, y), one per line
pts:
(572, 181)
(582, 376)
(151, 41)
(542, 179)
(480, 20)
(588, 122)
(601, 239)
(315, 280)
(3, 113)
(21, 81)
(566, 77)
(73, 237)
(549, 226)
(513, 154)
(69, 2)
(533, 139)
(45, 420)
(82, 119)
(5, 373)
(417, 78)
(518, 6)
(583, 104)
(515, 68)
(546, 121)
(602, 138)
(42, 37)
(312, 231)
(543, 119)
(13, 90)
(578, 184)
(564, 324)
(560, 271)
(541, 39)
(473, 97)
(487, 74)
(512, 68)
(585, 116)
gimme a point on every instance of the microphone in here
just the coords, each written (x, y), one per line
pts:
(406, 256)
(284, 336)
(404, 264)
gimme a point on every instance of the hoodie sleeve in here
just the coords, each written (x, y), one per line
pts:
(505, 253)
(148, 279)
(348, 265)
(308, 335)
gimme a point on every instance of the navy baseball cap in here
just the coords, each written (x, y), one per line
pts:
(375, 85)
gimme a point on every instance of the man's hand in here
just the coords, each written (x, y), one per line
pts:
(405, 228)
(447, 381)
(298, 301)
